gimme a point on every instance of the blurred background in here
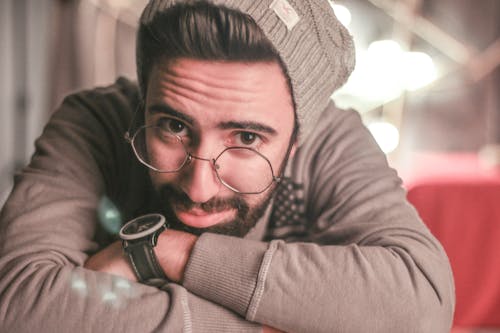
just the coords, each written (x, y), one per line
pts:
(427, 75)
(426, 84)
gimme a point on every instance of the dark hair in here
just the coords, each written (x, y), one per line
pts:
(200, 30)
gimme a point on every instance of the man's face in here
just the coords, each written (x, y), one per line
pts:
(211, 106)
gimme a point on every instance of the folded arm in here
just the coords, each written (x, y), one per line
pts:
(365, 263)
(48, 228)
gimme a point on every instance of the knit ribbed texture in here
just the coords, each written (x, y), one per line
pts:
(318, 52)
(217, 320)
(234, 281)
(259, 289)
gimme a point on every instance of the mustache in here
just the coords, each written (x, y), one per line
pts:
(181, 200)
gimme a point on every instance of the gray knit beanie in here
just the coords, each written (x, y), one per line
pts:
(316, 49)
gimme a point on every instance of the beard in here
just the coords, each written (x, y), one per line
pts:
(246, 217)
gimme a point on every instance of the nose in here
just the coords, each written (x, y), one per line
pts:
(200, 181)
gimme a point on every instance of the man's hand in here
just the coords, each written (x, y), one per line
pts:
(111, 260)
(173, 250)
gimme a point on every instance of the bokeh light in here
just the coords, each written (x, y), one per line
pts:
(384, 71)
(386, 135)
(109, 296)
(109, 216)
(343, 13)
(418, 70)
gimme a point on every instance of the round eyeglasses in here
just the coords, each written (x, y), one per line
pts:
(243, 170)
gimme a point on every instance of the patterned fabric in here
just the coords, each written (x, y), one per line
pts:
(288, 214)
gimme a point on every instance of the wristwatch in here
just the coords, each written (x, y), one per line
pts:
(139, 237)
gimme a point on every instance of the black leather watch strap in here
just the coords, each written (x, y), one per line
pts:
(144, 262)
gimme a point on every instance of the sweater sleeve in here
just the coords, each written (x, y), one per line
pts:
(48, 227)
(366, 262)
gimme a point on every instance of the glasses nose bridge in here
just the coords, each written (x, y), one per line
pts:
(191, 157)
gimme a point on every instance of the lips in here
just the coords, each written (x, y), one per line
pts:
(199, 218)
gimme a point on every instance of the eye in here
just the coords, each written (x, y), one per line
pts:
(247, 139)
(172, 126)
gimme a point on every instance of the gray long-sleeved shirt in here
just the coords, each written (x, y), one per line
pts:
(339, 250)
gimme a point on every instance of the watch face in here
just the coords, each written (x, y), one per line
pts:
(142, 226)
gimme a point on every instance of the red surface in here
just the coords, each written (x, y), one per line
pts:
(459, 200)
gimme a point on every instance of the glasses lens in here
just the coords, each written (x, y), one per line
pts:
(244, 170)
(159, 149)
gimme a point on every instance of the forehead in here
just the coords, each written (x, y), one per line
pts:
(213, 90)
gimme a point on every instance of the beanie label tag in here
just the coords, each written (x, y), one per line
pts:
(285, 12)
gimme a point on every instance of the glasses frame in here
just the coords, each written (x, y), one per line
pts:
(189, 158)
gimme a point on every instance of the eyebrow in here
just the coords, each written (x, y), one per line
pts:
(163, 108)
(242, 125)
(248, 125)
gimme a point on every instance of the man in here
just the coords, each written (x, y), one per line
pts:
(281, 211)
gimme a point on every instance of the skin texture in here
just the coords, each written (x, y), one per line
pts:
(205, 103)
(212, 105)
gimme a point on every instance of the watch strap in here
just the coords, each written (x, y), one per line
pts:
(144, 262)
